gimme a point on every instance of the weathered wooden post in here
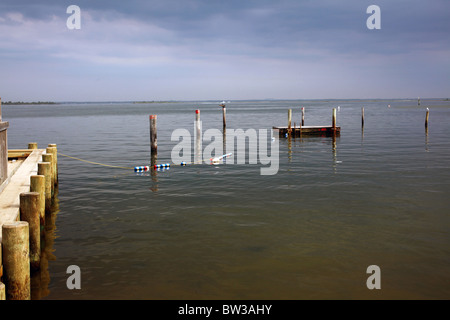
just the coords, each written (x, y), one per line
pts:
(54, 151)
(303, 116)
(153, 140)
(1, 264)
(289, 121)
(32, 145)
(49, 158)
(418, 101)
(334, 120)
(426, 118)
(362, 117)
(29, 212)
(16, 260)
(224, 115)
(3, 148)
(44, 169)
(2, 291)
(37, 184)
(198, 138)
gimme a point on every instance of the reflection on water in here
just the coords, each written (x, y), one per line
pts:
(40, 279)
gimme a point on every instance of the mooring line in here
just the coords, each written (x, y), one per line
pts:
(97, 163)
(145, 168)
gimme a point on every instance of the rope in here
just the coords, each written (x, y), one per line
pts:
(97, 163)
(129, 168)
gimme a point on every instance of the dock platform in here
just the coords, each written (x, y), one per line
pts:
(297, 131)
(18, 181)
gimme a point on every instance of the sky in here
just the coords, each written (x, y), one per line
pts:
(223, 50)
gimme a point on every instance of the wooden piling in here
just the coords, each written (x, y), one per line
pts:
(153, 140)
(32, 145)
(29, 212)
(362, 117)
(54, 150)
(3, 149)
(289, 121)
(418, 101)
(37, 184)
(198, 138)
(426, 118)
(224, 115)
(44, 169)
(334, 119)
(16, 260)
(2, 291)
(49, 158)
(303, 116)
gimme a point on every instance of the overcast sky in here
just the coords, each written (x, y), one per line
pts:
(224, 49)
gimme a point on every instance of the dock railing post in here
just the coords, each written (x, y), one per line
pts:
(16, 260)
(29, 212)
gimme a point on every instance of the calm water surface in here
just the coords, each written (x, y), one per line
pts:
(380, 196)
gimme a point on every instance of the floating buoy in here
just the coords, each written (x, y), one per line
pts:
(164, 165)
(141, 168)
(216, 161)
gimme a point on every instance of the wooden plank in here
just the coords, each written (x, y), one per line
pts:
(19, 182)
(19, 153)
(12, 168)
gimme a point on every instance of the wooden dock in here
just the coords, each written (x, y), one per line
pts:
(18, 181)
(302, 130)
(324, 131)
(26, 194)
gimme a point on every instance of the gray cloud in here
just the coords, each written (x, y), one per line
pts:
(272, 40)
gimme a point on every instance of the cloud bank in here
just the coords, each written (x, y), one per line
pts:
(191, 49)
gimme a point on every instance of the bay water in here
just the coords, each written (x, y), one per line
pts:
(378, 195)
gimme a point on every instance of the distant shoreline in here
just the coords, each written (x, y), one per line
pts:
(16, 103)
(13, 103)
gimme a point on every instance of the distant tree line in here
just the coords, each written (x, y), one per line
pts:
(22, 102)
